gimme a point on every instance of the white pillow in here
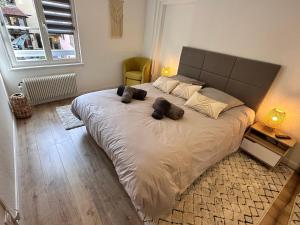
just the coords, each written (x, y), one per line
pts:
(185, 91)
(221, 97)
(165, 84)
(205, 105)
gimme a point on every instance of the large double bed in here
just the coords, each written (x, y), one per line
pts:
(156, 160)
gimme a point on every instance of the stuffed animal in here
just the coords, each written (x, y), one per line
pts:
(163, 107)
(138, 94)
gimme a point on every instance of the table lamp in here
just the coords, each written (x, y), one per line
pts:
(275, 118)
(166, 71)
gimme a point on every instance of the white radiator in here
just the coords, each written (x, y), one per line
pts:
(50, 88)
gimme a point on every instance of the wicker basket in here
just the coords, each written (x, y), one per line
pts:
(20, 105)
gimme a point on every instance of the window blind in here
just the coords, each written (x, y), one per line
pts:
(58, 16)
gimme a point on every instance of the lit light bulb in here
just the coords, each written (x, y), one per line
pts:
(165, 71)
(274, 118)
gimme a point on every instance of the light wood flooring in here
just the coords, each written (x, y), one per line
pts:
(66, 179)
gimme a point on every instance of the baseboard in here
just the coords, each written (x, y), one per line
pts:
(292, 164)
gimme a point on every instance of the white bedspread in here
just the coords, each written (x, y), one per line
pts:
(157, 160)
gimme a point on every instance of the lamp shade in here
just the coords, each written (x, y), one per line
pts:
(166, 71)
(275, 118)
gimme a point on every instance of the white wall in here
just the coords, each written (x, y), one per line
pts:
(102, 56)
(7, 165)
(183, 15)
(149, 21)
(267, 30)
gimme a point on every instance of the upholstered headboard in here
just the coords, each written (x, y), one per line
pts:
(246, 79)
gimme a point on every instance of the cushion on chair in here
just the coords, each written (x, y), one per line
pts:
(134, 75)
(130, 82)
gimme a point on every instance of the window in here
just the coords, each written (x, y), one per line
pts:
(40, 32)
(9, 1)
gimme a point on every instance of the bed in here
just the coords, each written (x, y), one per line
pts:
(156, 160)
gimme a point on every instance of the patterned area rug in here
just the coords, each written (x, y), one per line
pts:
(237, 191)
(295, 215)
(67, 118)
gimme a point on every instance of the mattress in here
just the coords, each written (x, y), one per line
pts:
(156, 160)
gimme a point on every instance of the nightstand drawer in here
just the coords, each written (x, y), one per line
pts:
(260, 152)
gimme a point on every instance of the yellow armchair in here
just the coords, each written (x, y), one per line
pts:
(136, 70)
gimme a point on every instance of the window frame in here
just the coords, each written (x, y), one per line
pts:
(49, 61)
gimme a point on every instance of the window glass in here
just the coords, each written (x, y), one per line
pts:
(59, 22)
(23, 28)
(40, 32)
(22, 22)
(62, 46)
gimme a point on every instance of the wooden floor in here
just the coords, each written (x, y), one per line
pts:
(280, 211)
(65, 179)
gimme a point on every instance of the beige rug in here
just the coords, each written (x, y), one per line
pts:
(295, 215)
(237, 191)
(67, 118)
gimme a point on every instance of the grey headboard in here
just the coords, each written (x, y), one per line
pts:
(246, 79)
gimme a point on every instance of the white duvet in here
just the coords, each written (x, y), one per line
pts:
(156, 160)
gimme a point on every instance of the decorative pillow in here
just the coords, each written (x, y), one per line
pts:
(221, 97)
(165, 84)
(188, 80)
(185, 91)
(205, 105)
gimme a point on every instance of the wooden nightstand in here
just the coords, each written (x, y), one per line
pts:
(263, 145)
